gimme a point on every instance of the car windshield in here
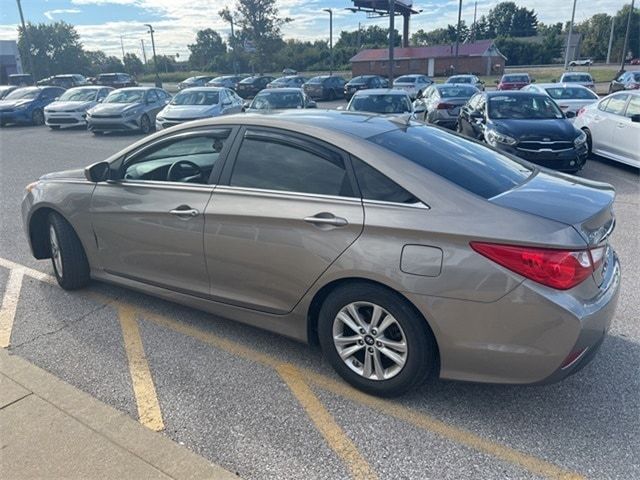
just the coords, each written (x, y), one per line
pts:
(79, 95)
(380, 103)
(459, 80)
(468, 164)
(571, 93)
(125, 96)
(515, 79)
(406, 80)
(576, 78)
(276, 100)
(457, 92)
(218, 80)
(198, 97)
(23, 93)
(523, 107)
(317, 80)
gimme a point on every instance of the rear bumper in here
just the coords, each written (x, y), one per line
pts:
(526, 336)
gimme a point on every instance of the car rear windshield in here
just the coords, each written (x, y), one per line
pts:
(267, 100)
(457, 92)
(470, 165)
(198, 97)
(516, 78)
(571, 93)
(380, 103)
(577, 78)
(459, 80)
(406, 80)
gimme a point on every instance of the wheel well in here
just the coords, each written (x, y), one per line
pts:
(38, 233)
(320, 296)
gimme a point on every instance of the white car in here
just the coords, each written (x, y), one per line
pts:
(583, 62)
(412, 84)
(570, 97)
(70, 109)
(579, 78)
(612, 126)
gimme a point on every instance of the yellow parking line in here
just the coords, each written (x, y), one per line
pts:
(9, 305)
(420, 420)
(149, 413)
(326, 425)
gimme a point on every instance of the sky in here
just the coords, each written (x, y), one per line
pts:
(102, 23)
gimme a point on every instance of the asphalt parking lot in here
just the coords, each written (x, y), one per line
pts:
(267, 407)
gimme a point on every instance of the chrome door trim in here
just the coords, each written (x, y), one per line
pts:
(284, 194)
(191, 187)
(418, 205)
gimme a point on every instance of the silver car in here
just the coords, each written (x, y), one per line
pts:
(271, 99)
(579, 78)
(440, 104)
(197, 103)
(404, 250)
(466, 79)
(381, 100)
(128, 109)
(413, 84)
(70, 109)
(570, 97)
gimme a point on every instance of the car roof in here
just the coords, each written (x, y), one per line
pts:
(517, 93)
(194, 89)
(560, 85)
(281, 90)
(381, 91)
(465, 75)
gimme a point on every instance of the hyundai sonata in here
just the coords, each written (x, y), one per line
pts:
(406, 251)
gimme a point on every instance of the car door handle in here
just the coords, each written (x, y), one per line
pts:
(183, 211)
(327, 219)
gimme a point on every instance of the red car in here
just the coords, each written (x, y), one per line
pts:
(514, 81)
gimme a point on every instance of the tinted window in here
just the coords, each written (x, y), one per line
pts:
(634, 106)
(375, 186)
(616, 104)
(275, 165)
(571, 93)
(380, 103)
(151, 96)
(523, 107)
(469, 165)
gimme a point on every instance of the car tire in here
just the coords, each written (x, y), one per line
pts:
(37, 117)
(54, 127)
(145, 124)
(587, 132)
(380, 353)
(68, 257)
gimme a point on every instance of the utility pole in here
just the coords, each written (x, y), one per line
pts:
(27, 42)
(359, 36)
(626, 38)
(155, 60)
(613, 22)
(122, 46)
(475, 16)
(458, 34)
(392, 39)
(144, 52)
(330, 12)
(566, 53)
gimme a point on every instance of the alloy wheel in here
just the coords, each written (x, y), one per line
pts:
(145, 124)
(370, 341)
(37, 117)
(56, 255)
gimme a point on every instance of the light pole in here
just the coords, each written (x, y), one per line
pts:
(27, 42)
(155, 61)
(330, 12)
(458, 34)
(122, 47)
(566, 53)
(626, 38)
(613, 23)
(392, 39)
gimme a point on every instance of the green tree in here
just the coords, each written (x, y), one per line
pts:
(595, 36)
(132, 64)
(440, 36)
(506, 19)
(206, 50)
(54, 48)
(99, 62)
(619, 32)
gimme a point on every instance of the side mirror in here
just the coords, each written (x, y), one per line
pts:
(98, 172)
(635, 118)
(570, 114)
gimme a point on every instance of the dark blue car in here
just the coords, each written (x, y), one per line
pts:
(26, 105)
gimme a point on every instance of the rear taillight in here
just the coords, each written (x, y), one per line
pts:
(444, 106)
(560, 269)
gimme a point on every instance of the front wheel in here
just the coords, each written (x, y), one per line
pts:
(376, 340)
(37, 117)
(145, 124)
(587, 132)
(68, 257)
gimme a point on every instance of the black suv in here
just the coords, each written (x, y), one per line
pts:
(249, 87)
(325, 87)
(116, 80)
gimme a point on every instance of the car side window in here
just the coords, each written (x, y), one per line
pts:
(271, 162)
(187, 160)
(633, 108)
(616, 104)
(376, 186)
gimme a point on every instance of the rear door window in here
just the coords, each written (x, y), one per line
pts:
(376, 186)
(634, 106)
(469, 165)
(616, 104)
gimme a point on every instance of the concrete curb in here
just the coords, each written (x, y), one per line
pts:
(152, 448)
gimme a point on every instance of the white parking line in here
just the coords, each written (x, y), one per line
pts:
(9, 305)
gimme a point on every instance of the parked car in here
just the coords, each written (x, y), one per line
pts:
(363, 82)
(381, 100)
(127, 109)
(514, 81)
(280, 99)
(635, 61)
(289, 71)
(412, 84)
(582, 62)
(292, 81)
(527, 124)
(249, 87)
(197, 103)
(64, 81)
(226, 81)
(570, 97)
(325, 87)
(625, 81)
(612, 126)
(6, 90)
(70, 109)
(20, 79)
(441, 103)
(580, 78)
(467, 79)
(116, 80)
(26, 105)
(405, 251)
(199, 81)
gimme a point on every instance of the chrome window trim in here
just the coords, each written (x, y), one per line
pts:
(284, 193)
(418, 205)
(162, 184)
